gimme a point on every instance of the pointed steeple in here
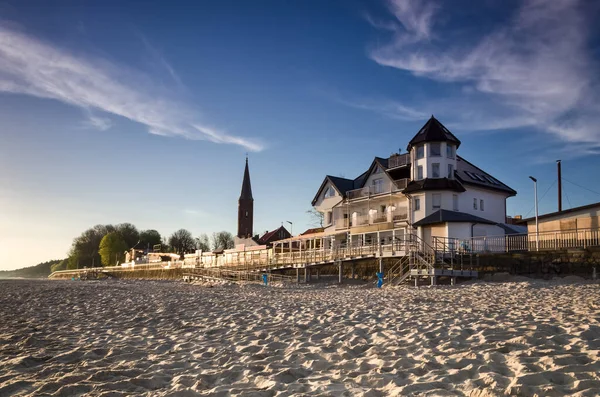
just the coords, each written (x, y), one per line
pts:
(245, 206)
(246, 186)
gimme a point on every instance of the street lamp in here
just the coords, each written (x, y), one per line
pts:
(537, 230)
(291, 228)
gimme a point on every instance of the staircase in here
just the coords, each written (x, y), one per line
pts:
(419, 258)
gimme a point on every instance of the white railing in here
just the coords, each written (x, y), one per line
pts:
(579, 238)
(398, 160)
(374, 190)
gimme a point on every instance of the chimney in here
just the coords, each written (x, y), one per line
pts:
(559, 186)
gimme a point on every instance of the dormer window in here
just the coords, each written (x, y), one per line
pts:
(435, 149)
(420, 152)
(449, 151)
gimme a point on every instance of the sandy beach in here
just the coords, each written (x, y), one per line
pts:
(65, 338)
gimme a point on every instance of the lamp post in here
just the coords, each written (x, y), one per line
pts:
(537, 230)
(291, 228)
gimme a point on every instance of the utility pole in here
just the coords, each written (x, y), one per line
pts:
(537, 229)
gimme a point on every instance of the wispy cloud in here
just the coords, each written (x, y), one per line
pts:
(536, 70)
(33, 67)
(100, 123)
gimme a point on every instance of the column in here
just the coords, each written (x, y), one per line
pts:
(353, 272)
(341, 272)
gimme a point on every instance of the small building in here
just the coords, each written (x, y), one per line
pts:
(573, 219)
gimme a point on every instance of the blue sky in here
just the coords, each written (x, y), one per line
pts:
(143, 112)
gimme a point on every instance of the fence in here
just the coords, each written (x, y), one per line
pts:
(557, 240)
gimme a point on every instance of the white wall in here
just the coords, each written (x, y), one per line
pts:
(428, 160)
(418, 215)
(382, 175)
(494, 203)
(324, 204)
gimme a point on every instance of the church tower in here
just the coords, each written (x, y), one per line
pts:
(245, 207)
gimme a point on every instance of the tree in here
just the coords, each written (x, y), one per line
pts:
(202, 243)
(129, 233)
(222, 240)
(316, 217)
(84, 250)
(182, 241)
(149, 238)
(112, 249)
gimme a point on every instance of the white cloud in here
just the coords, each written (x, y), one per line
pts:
(536, 70)
(33, 67)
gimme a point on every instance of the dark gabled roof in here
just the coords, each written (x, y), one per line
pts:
(563, 212)
(343, 185)
(472, 175)
(443, 216)
(434, 184)
(433, 131)
(340, 184)
(313, 231)
(268, 236)
(246, 187)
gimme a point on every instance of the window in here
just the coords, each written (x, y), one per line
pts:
(437, 201)
(329, 217)
(449, 151)
(420, 152)
(474, 203)
(455, 202)
(419, 172)
(417, 204)
(378, 170)
(382, 209)
(481, 204)
(246, 214)
(377, 185)
(435, 149)
(329, 192)
(435, 170)
(450, 171)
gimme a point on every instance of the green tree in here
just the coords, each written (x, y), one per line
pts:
(182, 241)
(112, 249)
(129, 233)
(149, 238)
(222, 240)
(202, 243)
(84, 250)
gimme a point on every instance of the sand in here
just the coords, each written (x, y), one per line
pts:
(64, 338)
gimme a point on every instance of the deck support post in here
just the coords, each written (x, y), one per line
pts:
(433, 280)
(453, 281)
(353, 271)
(416, 281)
(380, 265)
(298, 274)
(341, 272)
(305, 274)
(318, 273)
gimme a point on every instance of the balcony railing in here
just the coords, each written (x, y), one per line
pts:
(374, 190)
(400, 214)
(398, 160)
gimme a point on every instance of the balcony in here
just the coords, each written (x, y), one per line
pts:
(398, 160)
(376, 217)
(375, 190)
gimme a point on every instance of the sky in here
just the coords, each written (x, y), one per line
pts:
(143, 112)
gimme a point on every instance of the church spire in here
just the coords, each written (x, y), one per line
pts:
(246, 186)
(245, 207)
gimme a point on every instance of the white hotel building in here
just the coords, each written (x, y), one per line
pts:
(430, 191)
